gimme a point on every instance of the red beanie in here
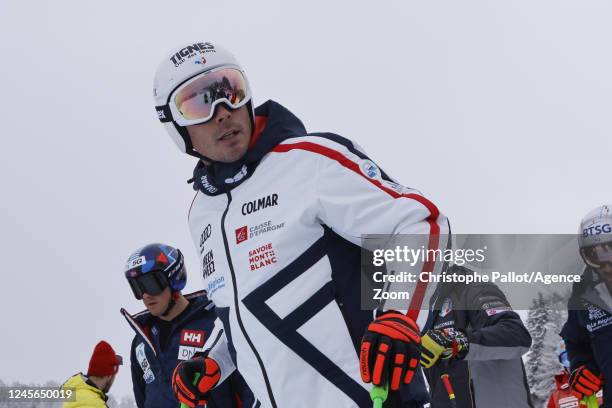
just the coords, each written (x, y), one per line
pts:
(103, 361)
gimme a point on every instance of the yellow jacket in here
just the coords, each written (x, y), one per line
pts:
(86, 395)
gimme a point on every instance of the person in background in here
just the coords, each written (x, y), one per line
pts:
(173, 328)
(561, 396)
(91, 389)
(475, 337)
(588, 330)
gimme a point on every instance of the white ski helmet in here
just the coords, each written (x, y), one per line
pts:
(595, 229)
(174, 73)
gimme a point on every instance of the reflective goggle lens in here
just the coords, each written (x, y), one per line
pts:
(151, 283)
(195, 99)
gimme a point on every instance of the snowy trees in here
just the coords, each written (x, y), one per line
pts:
(544, 321)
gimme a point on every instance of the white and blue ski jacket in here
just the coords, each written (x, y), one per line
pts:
(279, 237)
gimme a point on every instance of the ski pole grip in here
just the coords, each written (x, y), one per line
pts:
(196, 377)
(379, 395)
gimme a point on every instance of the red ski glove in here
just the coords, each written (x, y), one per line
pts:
(390, 350)
(183, 380)
(585, 381)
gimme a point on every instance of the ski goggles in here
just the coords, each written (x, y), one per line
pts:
(152, 283)
(194, 101)
(598, 255)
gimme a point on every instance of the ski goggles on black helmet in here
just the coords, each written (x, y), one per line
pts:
(194, 101)
(152, 283)
(599, 255)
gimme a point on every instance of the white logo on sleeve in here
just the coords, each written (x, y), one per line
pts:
(141, 356)
(398, 188)
(370, 169)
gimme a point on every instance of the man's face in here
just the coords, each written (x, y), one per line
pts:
(157, 305)
(225, 138)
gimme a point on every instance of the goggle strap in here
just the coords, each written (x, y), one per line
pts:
(164, 114)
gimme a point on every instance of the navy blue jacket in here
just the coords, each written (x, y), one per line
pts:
(588, 330)
(152, 368)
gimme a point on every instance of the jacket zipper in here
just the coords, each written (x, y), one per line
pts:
(236, 303)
